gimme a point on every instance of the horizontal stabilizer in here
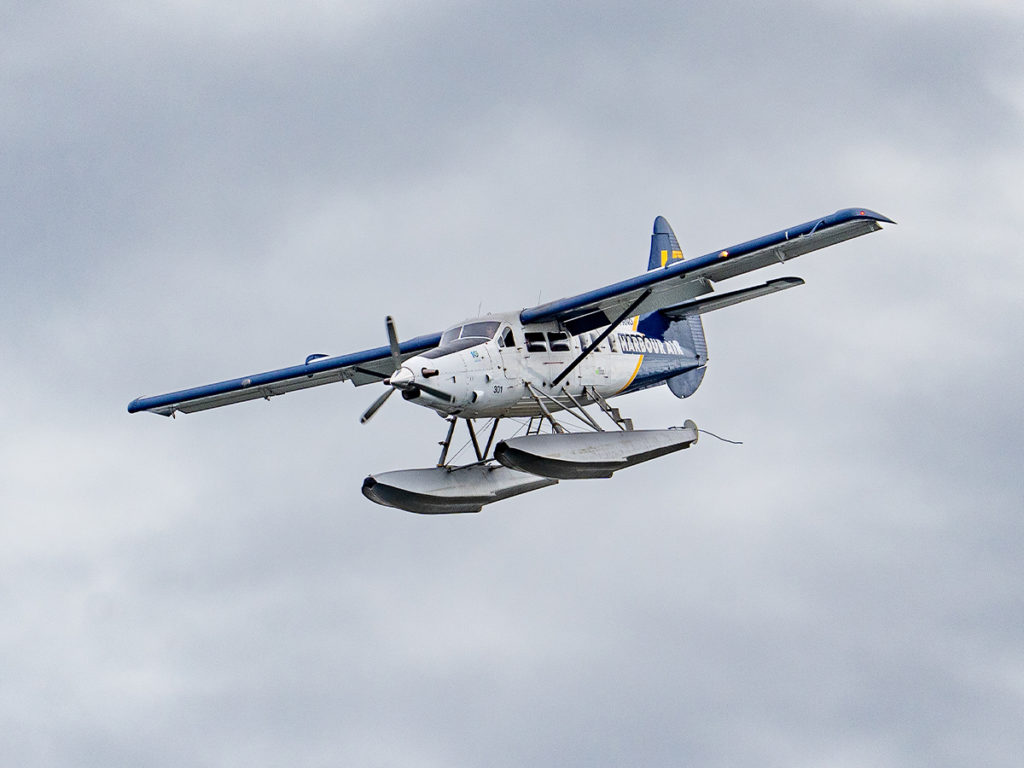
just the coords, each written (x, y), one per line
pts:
(722, 300)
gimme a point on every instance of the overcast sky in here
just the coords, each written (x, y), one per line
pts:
(195, 191)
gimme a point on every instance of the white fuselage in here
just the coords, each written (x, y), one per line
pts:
(505, 374)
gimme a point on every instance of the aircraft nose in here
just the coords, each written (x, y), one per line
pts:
(402, 378)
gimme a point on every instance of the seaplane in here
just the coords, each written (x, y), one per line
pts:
(545, 372)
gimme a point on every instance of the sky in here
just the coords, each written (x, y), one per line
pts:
(195, 191)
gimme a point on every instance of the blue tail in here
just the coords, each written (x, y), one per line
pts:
(664, 246)
(688, 331)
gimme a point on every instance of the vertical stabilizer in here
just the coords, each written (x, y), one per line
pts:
(664, 245)
(688, 331)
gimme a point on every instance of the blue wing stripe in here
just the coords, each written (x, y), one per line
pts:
(315, 366)
(564, 308)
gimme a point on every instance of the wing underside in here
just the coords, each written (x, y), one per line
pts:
(684, 281)
(675, 289)
(364, 367)
(722, 300)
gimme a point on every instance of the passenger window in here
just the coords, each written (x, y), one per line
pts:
(508, 339)
(558, 341)
(613, 342)
(535, 342)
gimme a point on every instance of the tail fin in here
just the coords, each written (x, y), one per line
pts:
(664, 246)
(689, 330)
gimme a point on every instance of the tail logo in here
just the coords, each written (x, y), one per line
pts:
(675, 255)
(642, 345)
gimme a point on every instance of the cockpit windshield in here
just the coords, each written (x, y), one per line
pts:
(482, 330)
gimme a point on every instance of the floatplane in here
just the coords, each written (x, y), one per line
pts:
(536, 367)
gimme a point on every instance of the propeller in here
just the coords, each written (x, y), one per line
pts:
(401, 378)
(368, 413)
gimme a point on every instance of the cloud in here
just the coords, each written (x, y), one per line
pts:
(196, 192)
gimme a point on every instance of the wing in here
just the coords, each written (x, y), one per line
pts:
(364, 367)
(723, 300)
(682, 281)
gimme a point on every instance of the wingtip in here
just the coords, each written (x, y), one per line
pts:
(138, 405)
(867, 213)
(788, 281)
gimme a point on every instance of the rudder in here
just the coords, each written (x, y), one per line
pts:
(688, 331)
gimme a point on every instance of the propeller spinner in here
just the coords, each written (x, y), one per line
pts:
(401, 377)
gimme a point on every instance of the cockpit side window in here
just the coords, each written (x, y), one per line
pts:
(507, 339)
(450, 335)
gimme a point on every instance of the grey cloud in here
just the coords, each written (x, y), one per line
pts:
(191, 198)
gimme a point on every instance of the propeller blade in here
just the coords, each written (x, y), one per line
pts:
(436, 393)
(408, 388)
(396, 353)
(376, 406)
(368, 372)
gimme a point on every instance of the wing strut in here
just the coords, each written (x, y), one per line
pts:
(604, 335)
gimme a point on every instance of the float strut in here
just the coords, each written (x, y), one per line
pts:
(594, 424)
(446, 443)
(490, 440)
(472, 436)
(555, 426)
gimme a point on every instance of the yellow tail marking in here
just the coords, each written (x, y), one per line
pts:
(664, 258)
